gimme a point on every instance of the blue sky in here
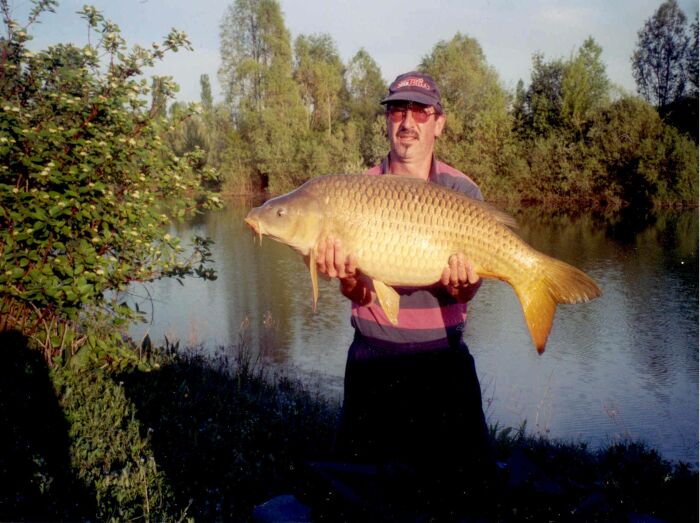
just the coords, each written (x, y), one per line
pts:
(396, 33)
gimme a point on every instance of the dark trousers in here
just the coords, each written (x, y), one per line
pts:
(421, 408)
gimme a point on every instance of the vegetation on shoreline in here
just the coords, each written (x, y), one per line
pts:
(189, 437)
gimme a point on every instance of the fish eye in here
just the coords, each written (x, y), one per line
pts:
(281, 212)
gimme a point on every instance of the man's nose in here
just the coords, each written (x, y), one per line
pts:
(408, 120)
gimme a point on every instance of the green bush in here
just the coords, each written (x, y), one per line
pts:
(644, 160)
(84, 174)
(108, 452)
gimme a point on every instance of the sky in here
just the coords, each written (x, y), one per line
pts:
(396, 33)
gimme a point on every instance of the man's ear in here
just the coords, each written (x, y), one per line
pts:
(439, 124)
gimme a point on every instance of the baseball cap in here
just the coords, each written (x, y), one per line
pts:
(414, 87)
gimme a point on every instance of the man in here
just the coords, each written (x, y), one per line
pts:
(411, 391)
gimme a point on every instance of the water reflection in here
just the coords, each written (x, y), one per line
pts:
(625, 364)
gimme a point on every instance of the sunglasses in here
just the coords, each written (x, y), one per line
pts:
(419, 113)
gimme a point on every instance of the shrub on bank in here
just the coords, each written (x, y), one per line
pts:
(87, 184)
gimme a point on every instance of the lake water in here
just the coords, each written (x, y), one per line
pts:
(622, 366)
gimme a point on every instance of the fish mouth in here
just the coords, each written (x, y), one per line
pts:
(255, 225)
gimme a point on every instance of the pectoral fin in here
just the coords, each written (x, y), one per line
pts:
(388, 299)
(311, 261)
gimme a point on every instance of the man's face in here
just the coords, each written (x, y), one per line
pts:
(411, 134)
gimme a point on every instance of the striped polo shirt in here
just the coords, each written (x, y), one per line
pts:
(427, 316)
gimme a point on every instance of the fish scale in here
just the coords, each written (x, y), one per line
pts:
(402, 232)
(390, 248)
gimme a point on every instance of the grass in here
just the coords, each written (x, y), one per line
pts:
(207, 439)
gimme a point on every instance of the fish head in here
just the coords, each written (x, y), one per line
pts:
(294, 219)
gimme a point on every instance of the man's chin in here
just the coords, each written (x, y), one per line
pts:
(403, 146)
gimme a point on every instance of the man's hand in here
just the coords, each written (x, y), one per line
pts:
(333, 262)
(459, 278)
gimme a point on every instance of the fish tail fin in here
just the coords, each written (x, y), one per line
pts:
(555, 282)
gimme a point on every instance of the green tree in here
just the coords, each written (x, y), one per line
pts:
(365, 85)
(366, 88)
(84, 177)
(205, 93)
(256, 73)
(585, 86)
(319, 73)
(659, 61)
(643, 160)
(563, 95)
(542, 108)
(255, 52)
(221, 132)
(252, 35)
(159, 96)
(187, 132)
(211, 130)
(519, 105)
(477, 138)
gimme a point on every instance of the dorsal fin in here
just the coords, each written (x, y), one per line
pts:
(500, 216)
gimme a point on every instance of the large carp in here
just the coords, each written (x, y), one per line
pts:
(403, 230)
